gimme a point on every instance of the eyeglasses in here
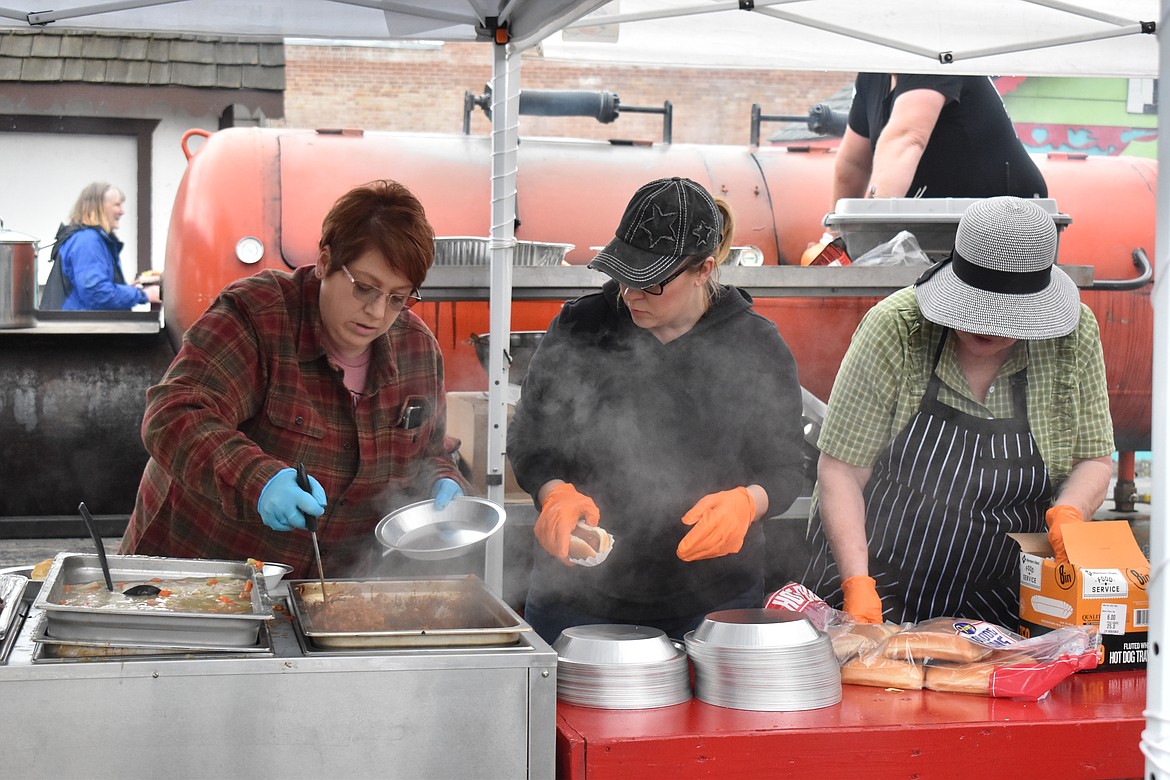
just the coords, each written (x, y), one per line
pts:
(369, 295)
(656, 289)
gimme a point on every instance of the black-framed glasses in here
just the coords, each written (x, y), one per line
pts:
(368, 294)
(656, 289)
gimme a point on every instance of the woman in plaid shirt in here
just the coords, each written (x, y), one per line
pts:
(319, 366)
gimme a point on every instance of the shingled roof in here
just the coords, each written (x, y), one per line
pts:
(141, 59)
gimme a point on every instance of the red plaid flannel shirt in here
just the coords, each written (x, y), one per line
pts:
(251, 392)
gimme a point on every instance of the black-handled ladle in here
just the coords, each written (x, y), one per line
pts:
(137, 590)
(311, 524)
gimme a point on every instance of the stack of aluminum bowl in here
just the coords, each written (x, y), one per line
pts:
(763, 659)
(620, 667)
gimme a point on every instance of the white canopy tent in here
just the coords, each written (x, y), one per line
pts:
(1011, 37)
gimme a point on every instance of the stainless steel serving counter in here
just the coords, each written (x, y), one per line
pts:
(486, 712)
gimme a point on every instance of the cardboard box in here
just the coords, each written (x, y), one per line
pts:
(467, 420)
(1103, 583)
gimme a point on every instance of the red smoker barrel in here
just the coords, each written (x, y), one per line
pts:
(276, 185)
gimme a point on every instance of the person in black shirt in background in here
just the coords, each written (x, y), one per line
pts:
(931, 136)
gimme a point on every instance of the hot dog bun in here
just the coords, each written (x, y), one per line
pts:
(882, 673)
(852, 639)
(588, 542)
(972, 678)
(922, 644)
(41, 570)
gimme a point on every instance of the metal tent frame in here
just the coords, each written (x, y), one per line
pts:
(1017, 37)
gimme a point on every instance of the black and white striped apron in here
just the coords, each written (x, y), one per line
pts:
(938, 507)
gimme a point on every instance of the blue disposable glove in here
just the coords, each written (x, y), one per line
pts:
(444, 491)
(283, 505)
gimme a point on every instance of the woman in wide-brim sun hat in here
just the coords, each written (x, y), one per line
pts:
(968, 406)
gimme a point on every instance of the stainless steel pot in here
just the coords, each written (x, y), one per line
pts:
(18, 279)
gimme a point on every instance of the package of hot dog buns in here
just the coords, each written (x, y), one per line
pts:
(949, 654)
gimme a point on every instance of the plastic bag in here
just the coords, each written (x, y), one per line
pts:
(973, 656)
(901, 250)
(849, 637)
(948, 654)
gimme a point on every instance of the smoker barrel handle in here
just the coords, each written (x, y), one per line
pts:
(602, 106)
(1145, 274)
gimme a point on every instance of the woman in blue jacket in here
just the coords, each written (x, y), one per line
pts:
(88, 252)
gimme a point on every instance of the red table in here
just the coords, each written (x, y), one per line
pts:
(1089, 726)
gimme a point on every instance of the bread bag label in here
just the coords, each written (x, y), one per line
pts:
(986, 634)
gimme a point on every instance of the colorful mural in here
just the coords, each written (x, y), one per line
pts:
(1080, 116)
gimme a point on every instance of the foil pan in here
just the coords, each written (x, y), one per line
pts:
(205, 630)
(401, 612)
(475, 250)
(51, 648)
(11, 592)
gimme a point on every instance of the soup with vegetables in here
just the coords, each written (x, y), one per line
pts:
(219, 595)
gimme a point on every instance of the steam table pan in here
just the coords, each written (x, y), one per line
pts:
(155, 627)
(401, 612)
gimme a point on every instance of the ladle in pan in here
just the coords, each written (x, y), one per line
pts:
(137, 590)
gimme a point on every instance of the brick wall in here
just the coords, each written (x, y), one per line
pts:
(422, 88)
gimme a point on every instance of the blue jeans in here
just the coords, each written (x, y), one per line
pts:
(549, 616)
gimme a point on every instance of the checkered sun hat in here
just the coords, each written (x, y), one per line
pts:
(1001, 278)
(666, 222)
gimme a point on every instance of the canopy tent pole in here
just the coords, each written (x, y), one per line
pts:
(990, 51)
(505, 142)
(1155, 742)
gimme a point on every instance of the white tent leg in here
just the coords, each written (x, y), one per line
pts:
(505, 141)
(1156, 737)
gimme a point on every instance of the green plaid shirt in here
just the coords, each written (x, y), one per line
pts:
(885, 372)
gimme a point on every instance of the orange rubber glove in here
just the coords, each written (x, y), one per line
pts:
(563, 508)
(720, 522)
(861, 599)
(1056, 517)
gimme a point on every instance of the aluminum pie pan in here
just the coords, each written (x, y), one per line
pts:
(614, 644)
(481, 618)
(157, 627)
(625, 686)
(801, 677)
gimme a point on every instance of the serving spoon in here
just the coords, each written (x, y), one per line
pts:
(135, 591)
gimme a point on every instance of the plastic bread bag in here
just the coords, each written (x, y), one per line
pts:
(954, 640)
(973, 656)
(849, 637)
(794, 597)
(1028, 669)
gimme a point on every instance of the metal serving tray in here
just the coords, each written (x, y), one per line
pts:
(440, 612)
(865, 223)
(206, 630)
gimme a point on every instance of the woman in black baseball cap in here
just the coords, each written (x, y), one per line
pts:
(664, 410)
